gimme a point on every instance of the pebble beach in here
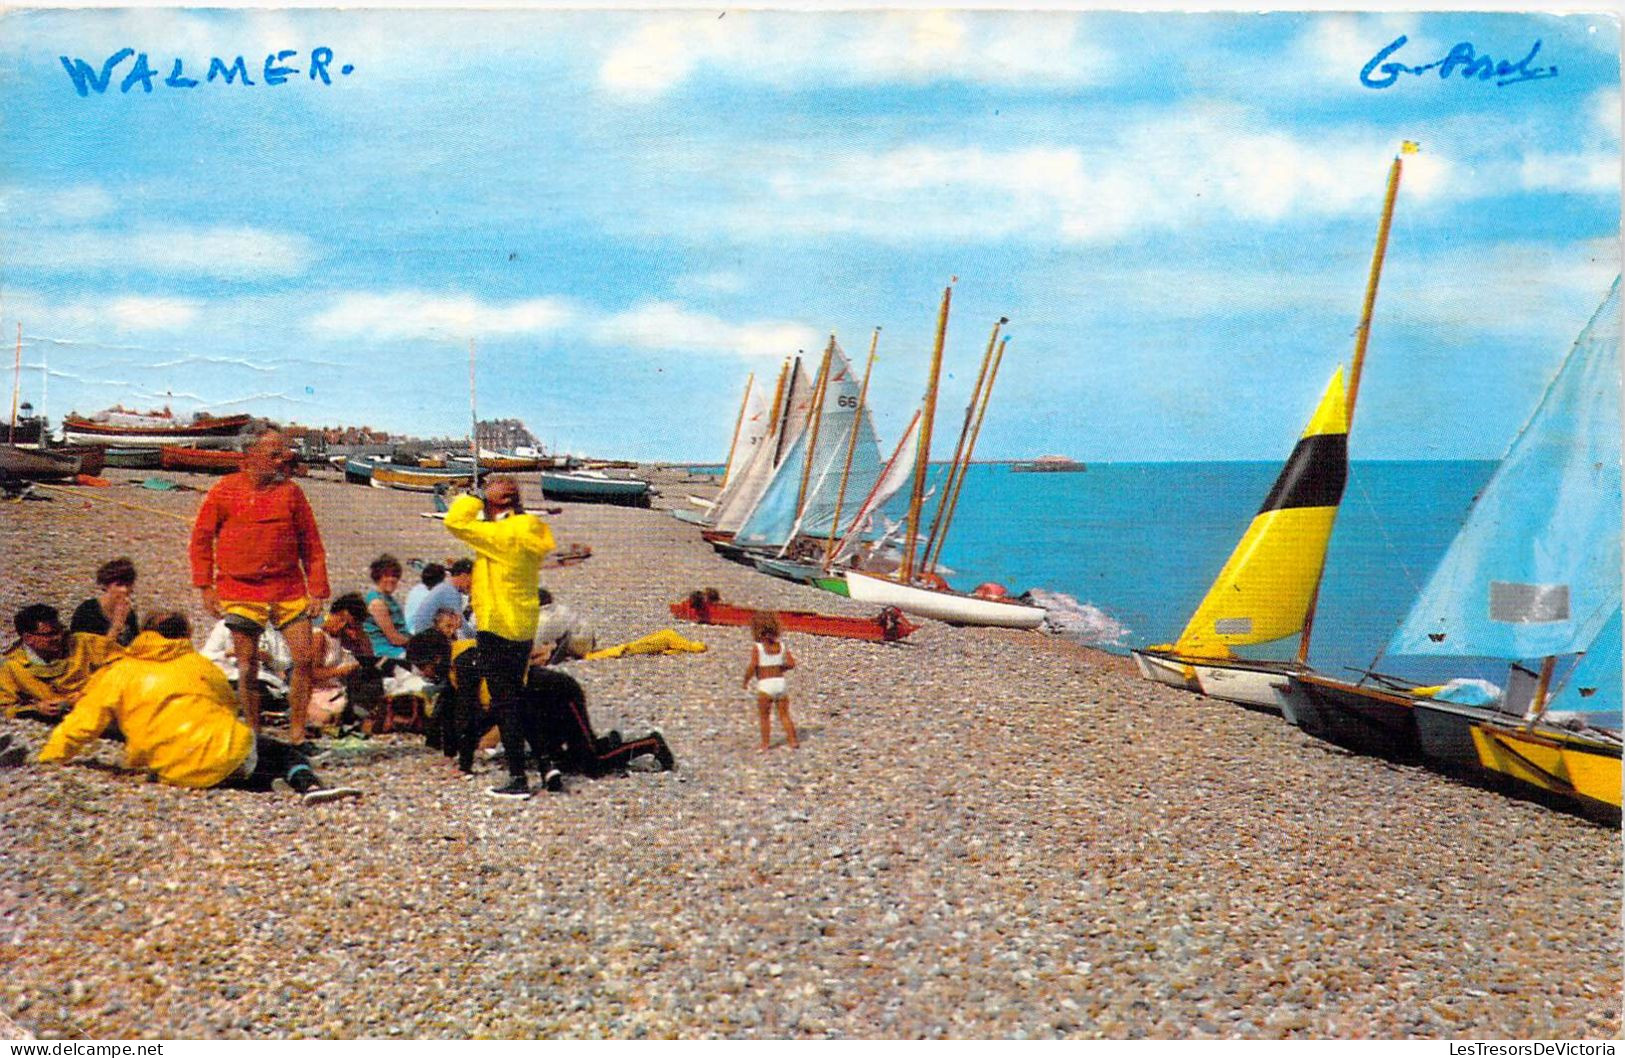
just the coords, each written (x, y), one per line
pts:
(985, 833)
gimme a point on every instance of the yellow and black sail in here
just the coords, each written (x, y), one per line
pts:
(1268, 584)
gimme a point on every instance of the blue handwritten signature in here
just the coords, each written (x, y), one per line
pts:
(86, 78)
(1463, 58)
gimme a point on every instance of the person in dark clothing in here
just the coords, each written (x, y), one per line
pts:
(553, 717)
(110, 613)
(468, 708)
(568, 738)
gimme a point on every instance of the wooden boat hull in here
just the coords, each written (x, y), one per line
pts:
(357, 470)
(29, 464)
(1257, 684)
(884, 627)
(1575, 766)
(1444, 730)
(951, 607)
(416, 479)
(1367, 719)
(206, 433)
(131, 458)
(1168, 669)
(498, 464)
(209, 461)
(788, 569)
(92, 458)
(580, 488)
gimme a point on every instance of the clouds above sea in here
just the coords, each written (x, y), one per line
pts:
(641, 189)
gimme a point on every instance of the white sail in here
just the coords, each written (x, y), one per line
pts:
(736, 504)
(899, 469)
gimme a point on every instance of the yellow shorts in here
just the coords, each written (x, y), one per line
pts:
(251, 618)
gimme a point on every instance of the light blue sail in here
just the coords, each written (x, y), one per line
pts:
(1535, 570)
(1593, 688)
(801, 500)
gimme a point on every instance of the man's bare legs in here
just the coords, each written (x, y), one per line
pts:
(297, 633)
(247, 649)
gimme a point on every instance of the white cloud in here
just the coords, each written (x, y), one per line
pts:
(151, 314)
(1161, 174)
(42, 315)
(419, 314)
(669, 326)
(222, 253)
(789, 49)
(1604, 109)
(722, 282)
(1597, 173)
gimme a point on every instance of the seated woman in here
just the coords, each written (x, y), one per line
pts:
(110, 613)
(179, 718)
(386, 621)
(335, 667)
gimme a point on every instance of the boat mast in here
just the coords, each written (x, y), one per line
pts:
(16, 384)
(923, 456)
(976, 431)
(820, 388)
(784, 418)
(739, 424)
(473, 420)
(1362, 336)
(851, 448)
(956, 468)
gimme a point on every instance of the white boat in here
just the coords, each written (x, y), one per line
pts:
(950, 606)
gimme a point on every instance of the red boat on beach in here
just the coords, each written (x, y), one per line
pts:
(208, 460)
(887, 626)
(119, 426)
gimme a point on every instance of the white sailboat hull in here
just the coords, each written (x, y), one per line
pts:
(1264, 688)
(1166, 671)
(951, 607)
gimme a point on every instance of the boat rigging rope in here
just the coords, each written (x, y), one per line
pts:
(78, 494)
(1388, 543)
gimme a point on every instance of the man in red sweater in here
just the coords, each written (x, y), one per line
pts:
(257, 558)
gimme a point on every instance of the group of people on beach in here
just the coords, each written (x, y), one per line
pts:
(465, 644)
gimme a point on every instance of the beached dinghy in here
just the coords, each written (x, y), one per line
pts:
(30, 464)
(1527, 579)
(591, 486)
(1267, 589)
(418, 479)
(951, 606)
(887, 626)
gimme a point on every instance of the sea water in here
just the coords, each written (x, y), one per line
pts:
(1140, 543)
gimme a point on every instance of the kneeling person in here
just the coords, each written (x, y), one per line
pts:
(179, 719)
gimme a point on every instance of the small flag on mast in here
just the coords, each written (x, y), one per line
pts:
(1409, 147)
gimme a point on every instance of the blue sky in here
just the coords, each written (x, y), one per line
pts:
(629, 211)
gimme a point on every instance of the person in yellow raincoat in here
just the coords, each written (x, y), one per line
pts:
(42, 675)
(179, 718)
(509, 546)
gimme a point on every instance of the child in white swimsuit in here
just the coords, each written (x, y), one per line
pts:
(770, 659)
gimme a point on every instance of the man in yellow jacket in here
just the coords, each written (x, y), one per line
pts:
(42, 675)
(509, 546)
(179, 718)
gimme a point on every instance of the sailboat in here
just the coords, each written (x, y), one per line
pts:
(919, 589)
(750, 427)
(1534, 573)
(1268, 588)
(1569, 755)
(788, 414)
